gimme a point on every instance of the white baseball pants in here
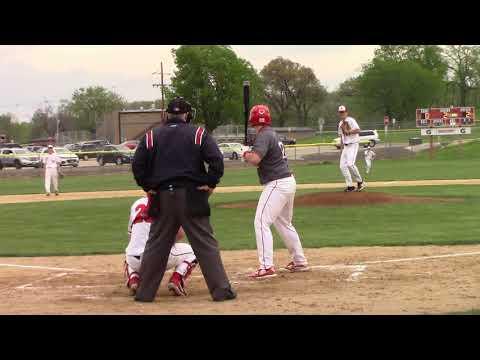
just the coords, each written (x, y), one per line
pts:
(275, 206)
(51, 177)
(347, 164)
(368, 162)
(181, 255)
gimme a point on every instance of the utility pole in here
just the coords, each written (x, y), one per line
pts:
(161, 85)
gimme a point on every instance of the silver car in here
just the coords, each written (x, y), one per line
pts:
(68, 157)
(18, 158)
(232, 151)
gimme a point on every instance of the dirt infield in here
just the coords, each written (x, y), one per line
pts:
(28, 198)
(350, 280)
(344, 199)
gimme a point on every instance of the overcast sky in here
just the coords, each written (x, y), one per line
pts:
(32, 75)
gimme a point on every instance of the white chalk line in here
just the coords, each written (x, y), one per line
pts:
(357, 269)
(42, 267)
(41, 280)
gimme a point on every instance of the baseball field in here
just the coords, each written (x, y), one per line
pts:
(410, 244)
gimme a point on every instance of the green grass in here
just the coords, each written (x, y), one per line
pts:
(448, 164)
(99, 227)
(467, 312)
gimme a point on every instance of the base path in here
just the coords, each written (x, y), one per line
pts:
(28, 198)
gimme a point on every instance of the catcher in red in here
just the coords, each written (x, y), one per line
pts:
(181, 258)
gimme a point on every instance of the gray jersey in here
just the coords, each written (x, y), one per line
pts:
(272, 152)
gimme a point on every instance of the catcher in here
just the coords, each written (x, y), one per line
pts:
(348, 131)
(181, 255)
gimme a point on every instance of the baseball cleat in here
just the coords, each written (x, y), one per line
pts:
(349, 189)
(133, 283)
(297, 268)
(48, 194)
(361, 186)
(263, 273)
(56, 193)
(175, 285)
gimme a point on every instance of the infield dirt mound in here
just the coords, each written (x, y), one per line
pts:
(347, 199)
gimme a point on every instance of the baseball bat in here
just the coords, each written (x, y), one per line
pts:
(246, 107)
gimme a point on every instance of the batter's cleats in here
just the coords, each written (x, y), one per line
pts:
(292, 267)
(263, 273)
(176, 285)
(350, 189)
(48, 194)
(133, 283)
(360, 186)
(56, 193)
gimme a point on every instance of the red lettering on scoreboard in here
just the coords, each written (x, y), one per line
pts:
(454, 116)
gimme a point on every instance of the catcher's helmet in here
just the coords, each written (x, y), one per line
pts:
(260, 115)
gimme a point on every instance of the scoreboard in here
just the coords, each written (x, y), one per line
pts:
(454, 116)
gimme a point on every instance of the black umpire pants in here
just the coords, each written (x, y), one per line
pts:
(173, 214)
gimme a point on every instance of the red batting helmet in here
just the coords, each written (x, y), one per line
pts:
(260, 115)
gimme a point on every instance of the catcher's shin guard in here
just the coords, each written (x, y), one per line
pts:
(132, 279)
(176, 284)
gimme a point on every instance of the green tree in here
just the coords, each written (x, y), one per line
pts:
(428, 56)
(210, 77)
(398, 88)
(290, 85)
(464, 70)
(88, 105)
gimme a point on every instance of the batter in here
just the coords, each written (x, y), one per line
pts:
(275, 205)
(181, 255)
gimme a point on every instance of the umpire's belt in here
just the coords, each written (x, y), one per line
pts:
(173, 185)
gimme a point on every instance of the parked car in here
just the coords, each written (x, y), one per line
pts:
(96, 142)
(116, 154)
(232, 151)
(131, 144)
(10, 146)
(287, 141)
(68, 157)
(34, 148)
(18, 158)
(367, 137)
(89, 151)
(73, 147)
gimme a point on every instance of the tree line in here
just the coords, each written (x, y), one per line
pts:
(399, 79)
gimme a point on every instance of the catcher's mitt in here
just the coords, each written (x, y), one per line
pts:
(345, 126)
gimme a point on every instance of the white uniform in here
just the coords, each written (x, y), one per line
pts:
(369, 157)
(51, 163)
(349, 153)
(181, 254)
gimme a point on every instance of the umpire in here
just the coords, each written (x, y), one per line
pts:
(169, 164)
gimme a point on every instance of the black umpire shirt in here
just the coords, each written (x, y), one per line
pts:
(174, 154)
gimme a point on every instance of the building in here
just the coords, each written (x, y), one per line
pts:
(120, 126)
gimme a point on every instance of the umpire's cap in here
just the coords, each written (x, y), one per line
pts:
(179, 106)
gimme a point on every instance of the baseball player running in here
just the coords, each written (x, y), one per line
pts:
(275, 205)
(181, 255)
(369, 157)
(348, 131)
